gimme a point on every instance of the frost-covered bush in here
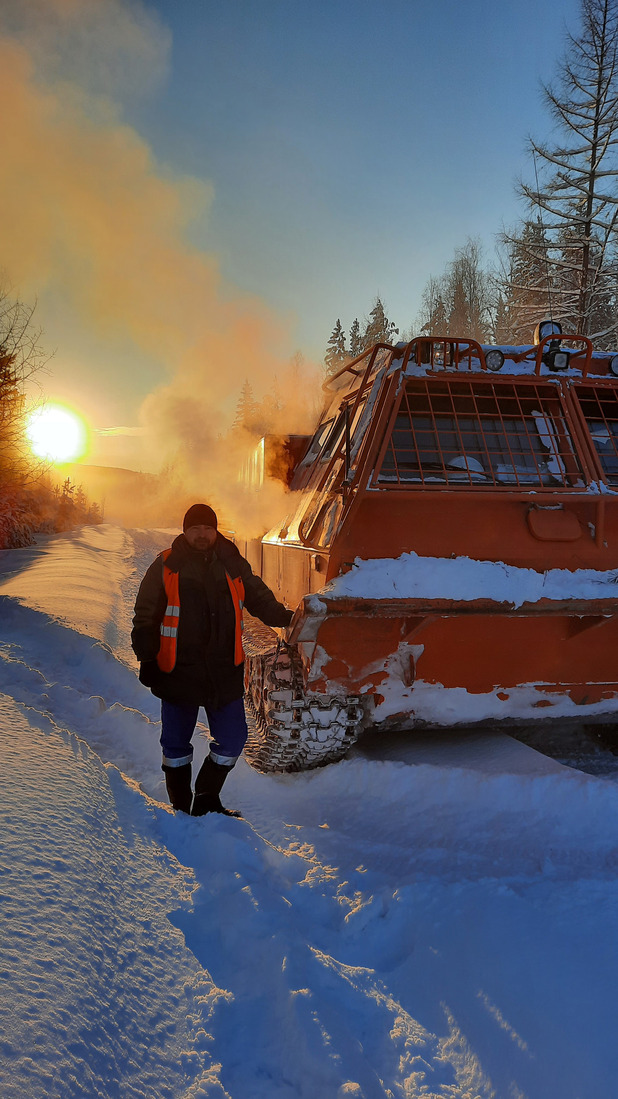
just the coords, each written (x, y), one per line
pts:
(16, 526)
(42, 508)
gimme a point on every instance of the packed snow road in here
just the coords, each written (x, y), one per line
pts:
(430, 917)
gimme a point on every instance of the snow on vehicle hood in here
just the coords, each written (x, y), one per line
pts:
(414, 577)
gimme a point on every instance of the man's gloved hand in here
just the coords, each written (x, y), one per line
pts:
(288, 629)
(148, 672)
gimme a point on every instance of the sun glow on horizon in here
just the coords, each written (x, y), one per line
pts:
(56, 433)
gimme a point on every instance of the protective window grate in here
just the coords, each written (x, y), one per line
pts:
(599, 406)
(459, 432)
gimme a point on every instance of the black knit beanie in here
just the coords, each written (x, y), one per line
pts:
(199, 515)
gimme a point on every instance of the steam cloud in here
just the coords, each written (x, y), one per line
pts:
(89, 217)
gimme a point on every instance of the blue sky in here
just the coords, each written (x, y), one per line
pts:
(352, 145)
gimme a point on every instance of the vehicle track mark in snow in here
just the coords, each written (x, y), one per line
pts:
(498, 1016)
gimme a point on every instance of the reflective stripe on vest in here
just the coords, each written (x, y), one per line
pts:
(237, 589)
(166, 658)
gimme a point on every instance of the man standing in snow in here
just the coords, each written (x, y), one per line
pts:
(187, 638)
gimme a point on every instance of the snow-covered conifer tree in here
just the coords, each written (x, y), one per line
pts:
(379, 329)
(356, 339)
(336, 354)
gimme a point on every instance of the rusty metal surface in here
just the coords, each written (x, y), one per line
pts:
(405, 608)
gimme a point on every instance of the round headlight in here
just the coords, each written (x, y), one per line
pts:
(613, 365)
(547, 328)
(494, 359)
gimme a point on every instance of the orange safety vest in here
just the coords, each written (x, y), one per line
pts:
(166, 657)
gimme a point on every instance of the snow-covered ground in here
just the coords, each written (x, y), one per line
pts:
(432, 917)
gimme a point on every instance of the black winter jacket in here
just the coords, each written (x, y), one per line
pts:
(205, 673)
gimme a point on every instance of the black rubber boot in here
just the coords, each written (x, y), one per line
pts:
(208, 786)
(178, 782)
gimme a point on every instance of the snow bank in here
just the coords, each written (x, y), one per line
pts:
(413, 577)
(75, 578)
(96, 984)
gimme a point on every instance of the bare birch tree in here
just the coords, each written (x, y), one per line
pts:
(460, 302)
(432, 319)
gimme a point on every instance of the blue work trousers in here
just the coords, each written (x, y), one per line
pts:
(228, 729)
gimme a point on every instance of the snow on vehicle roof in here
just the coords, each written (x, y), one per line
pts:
(510, 367)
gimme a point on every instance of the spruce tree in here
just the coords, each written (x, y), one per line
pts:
(356, 339)
(379, 329)
(246, 408)
(336, 355)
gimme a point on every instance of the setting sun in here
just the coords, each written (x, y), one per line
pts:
(57, 434)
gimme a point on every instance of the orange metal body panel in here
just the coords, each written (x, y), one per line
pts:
(387, 524)
(480, 653)
(288, 570)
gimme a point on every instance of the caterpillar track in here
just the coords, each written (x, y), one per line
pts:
(290, 729)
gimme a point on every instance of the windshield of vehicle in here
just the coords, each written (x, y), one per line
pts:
(479, 433)
(599, 406)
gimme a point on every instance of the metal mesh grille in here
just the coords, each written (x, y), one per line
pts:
(477, 433)
(599, 406)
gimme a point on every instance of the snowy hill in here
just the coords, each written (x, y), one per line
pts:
(428, 918)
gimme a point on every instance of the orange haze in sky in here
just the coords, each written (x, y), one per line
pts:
(97, 232)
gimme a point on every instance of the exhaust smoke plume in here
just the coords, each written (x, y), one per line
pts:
(91, 222)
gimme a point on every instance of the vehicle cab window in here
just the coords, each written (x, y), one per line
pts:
(470, 433)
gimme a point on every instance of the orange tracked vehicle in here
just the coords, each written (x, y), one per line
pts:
(452, 548)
